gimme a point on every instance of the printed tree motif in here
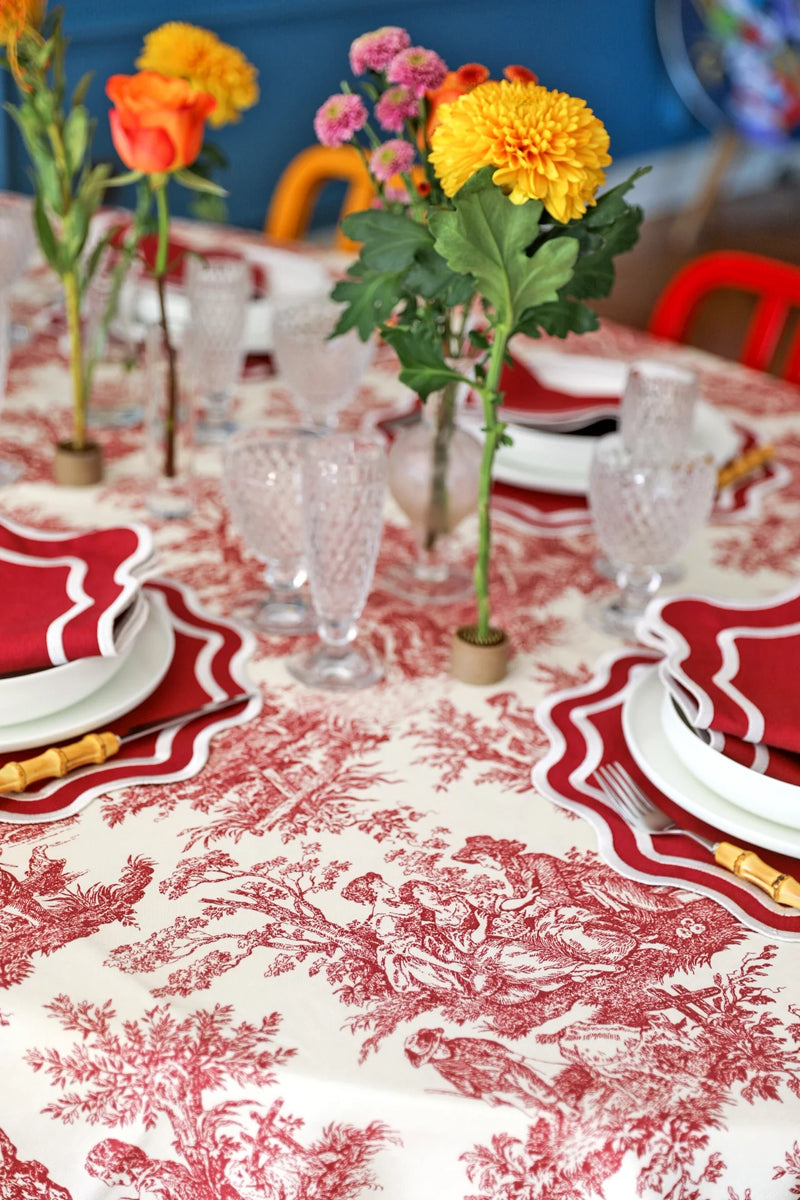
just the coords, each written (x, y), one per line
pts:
(292, 771)
(455, 740)
(160, 1069)
(657, 1087)
(511, 948)
(44, 910)
(790, 1169)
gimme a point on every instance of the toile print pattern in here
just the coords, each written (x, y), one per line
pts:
(359, 954)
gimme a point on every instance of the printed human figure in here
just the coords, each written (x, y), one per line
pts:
(121, 1164)
(483, 1070)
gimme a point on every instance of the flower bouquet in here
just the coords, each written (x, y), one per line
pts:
(487, 224)
(158, 121)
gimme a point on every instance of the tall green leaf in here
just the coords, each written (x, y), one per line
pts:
(487, 236)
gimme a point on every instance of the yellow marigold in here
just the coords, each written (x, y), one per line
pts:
(544, 145)
(18, 15)
(197, 55)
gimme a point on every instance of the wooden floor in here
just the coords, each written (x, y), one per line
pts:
(765, 223)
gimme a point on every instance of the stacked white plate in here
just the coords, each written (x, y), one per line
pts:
(739, 801)
(553, 460)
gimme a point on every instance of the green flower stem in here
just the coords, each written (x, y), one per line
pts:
(158, 184)
(72, 302)
(494, 430)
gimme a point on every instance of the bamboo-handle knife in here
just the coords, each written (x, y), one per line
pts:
(58, 761)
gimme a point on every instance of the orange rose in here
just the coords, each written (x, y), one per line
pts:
(157, 123)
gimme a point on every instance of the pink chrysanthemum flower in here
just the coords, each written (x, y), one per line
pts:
(392, 158)
(339, 118)
(396, 106)
(417, 69)
(374, 51)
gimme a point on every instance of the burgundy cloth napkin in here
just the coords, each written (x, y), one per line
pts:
(177, 252)
(527, 400)
(64, 594)
(732, 669)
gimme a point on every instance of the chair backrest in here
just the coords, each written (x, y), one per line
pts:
(774, 285)
(296, 192)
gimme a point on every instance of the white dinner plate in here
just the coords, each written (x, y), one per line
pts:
(140, 674)
(559, 462)
(647, 742)
(754, 792)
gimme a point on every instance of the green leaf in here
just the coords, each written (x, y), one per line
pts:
(611, 204)
(487, 236)
(124, 179)
(46, 236)
(76, 137)
(370, 302)
(81, 88)
(92, 186)
(391, 241)
(558, 319)
(48, 184)
(423, 366)
(197, 183)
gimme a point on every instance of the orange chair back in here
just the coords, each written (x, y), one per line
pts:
(297, 191)
(774, 285)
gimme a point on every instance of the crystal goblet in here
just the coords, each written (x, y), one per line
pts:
(261, 477)
(322, 371)
(17, 240)
(657, 410)
(218, 290)
(344, 486)
(644, 515)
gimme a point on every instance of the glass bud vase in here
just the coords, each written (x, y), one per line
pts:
(434, 470)
(169, 456)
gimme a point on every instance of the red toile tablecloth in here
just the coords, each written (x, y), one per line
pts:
(360, 953)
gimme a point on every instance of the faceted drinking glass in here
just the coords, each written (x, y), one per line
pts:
(657, 411)
(218, 290)
(322, 372)
(644, 516)
(344, 487)
(262, 484)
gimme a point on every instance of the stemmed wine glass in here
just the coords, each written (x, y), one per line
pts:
(218, 290)
(261, 474)
(655, 423)
(344, 486)
(644, 515)
(322, 372)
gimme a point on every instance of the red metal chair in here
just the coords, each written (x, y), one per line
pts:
(775, 287)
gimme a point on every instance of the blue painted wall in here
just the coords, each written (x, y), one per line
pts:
(605, 52)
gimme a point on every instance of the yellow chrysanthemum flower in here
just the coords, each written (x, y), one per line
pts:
(18, 15)
(197, 55)
(544, 145)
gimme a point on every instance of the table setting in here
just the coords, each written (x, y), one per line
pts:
(293, 908)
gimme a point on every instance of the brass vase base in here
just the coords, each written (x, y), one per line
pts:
(477, 662)
(77, 468)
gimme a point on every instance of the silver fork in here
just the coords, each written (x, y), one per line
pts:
(641, 812)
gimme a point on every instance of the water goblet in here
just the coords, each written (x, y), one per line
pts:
(344, 486)
(261, 474)
(322, 372)
(644, 515)
(657, 410)
(218, 290)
